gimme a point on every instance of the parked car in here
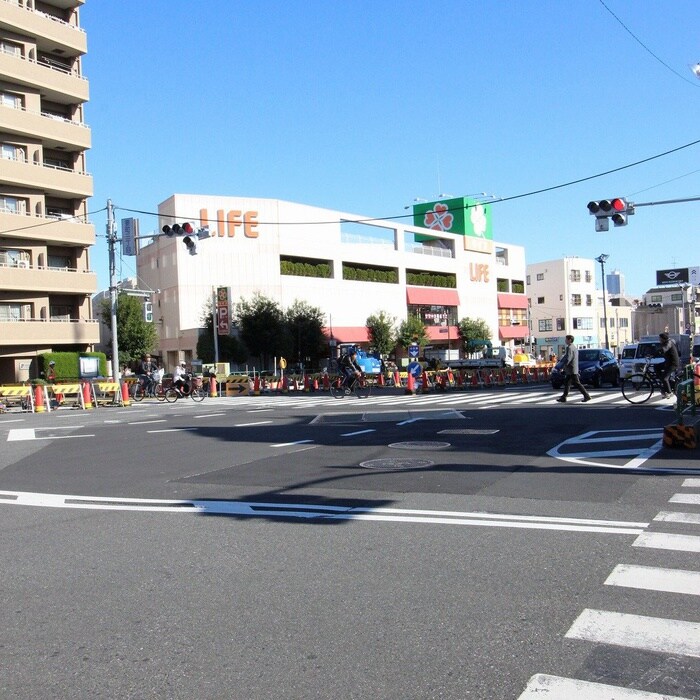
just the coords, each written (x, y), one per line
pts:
(627, 360)
(596, 366)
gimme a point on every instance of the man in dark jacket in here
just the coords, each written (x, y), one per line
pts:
(670, 364)
(569, 366)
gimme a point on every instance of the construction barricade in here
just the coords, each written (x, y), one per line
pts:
(107, 393)
(71, 394)
(17, 397)
(238, 385)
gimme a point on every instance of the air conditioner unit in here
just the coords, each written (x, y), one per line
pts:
(23, 263)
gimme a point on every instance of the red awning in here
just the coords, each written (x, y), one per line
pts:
(512, 301)
(348, 334)
(440, 333)
(431, 296)
(511, 332)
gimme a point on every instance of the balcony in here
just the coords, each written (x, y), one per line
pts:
(44, 280)
(56, 181)
(54, 84)
(46, 229)
(53, 131)
(51, 32)
(49, 333)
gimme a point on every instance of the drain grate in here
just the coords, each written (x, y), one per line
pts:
(420, 445)
(397, 464)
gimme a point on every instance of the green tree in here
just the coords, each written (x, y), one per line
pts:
(475, 334)
(135, 335)
(412, 330)
(231, 348)
(305, 330)
(382, 332)
(262, 328)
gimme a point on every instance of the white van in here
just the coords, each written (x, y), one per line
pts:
(627, 358)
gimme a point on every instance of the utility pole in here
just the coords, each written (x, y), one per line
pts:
(111, 242)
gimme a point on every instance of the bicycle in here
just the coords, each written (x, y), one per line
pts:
(361, 388)
(154, 391)
(192, 388)
(639, 387)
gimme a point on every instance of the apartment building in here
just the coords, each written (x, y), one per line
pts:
(562, 298)
(45, 278)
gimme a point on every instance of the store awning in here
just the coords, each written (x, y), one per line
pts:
(348, 334)
(512, 301)
(429, 296)
(511, 332)
(441, 333)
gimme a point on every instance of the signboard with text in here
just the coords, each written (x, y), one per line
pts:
(223, 320)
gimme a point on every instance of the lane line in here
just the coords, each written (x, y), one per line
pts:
(689, 498)
(652, 578)
(358, 432)
(289, 444)
(146, 422)
(245, 425)
(637, 632)
(665, 540)
(209, 415)
(546, 687)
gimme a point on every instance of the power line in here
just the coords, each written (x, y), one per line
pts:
(646, 48)
(466, 206)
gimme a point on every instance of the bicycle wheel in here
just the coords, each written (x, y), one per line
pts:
(637, 388)
(363, 389)
(171, 395)
(139, 394)
(160, 393)
(337, 389)
(197, 394)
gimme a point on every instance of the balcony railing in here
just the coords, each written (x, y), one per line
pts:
(39, 13)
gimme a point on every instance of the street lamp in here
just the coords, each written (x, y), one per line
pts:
(601, 259)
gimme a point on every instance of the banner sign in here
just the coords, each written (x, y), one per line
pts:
(223, 321)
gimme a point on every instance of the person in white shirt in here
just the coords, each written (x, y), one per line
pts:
(180, 377)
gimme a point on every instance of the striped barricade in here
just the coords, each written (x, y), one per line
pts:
(105, 393)
(21, 397)
(73, 392)
(238, 385)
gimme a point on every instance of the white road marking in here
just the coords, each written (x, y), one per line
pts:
(651, 578)
(691, 498)
(637, 632)
(410, 420)
(358, 432)
(289, 444)
(306, 511)
(146, 422)
(171, 430)
(17, 434)
(665, 540)
(209, 415)
(691, 483)
(246, 425)
(673, 517)
(546, 687)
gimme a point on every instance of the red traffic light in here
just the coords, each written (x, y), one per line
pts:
(619, 204)
(187, 228)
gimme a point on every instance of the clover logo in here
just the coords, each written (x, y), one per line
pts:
(439, 219)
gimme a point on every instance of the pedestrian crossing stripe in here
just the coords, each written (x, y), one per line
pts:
(545, 687)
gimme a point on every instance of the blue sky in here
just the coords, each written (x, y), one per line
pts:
(362, 106)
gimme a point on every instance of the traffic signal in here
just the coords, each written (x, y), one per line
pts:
(178, 229)
(190, 245)
(148, 311)
(617, 209)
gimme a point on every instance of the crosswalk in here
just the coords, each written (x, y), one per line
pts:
(670, 637)
(477, 399)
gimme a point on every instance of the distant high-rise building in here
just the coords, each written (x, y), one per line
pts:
(45, 238)
(615, 283)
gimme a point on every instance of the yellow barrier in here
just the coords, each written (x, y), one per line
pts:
(107, 393)
(238, 385)
(17, 396)
(71, 390)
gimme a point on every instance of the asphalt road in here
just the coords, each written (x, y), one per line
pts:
(435, 546)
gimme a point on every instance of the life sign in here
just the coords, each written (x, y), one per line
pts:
(227, 223)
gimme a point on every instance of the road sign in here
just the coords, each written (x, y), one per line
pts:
(413, 350)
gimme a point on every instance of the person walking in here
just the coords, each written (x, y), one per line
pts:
(569, 366)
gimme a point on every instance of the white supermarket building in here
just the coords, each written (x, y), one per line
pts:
(444, 269)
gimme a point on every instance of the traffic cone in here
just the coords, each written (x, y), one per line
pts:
(425, 382)
(326, 382)
(285, 385)
(87, 397)
(126, 399)
(380, 381)
(212, 387)
(39, 406)
(410, 384)
(397, 378)
(307, 385)
(475, 379)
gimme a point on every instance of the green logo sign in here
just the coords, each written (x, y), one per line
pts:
(460, 215)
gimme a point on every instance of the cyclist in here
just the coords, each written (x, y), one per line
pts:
(670, 364)
(180, 378)
(350, 369)
(146, 370)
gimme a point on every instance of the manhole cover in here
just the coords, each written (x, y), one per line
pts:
(397, 464)
(420, 445)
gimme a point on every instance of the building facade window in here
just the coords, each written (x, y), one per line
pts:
(589, 276)
(13, 205)
(540, 276)
(517, 286)
(15, 312)
(575, 275)
(583, 323)
(544, 325)
(589, 300)
(540, 300)
(656, 298)
(561, 324)
(575, 300)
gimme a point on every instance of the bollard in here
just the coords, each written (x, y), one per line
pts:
(39, 406)
(126, 399)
